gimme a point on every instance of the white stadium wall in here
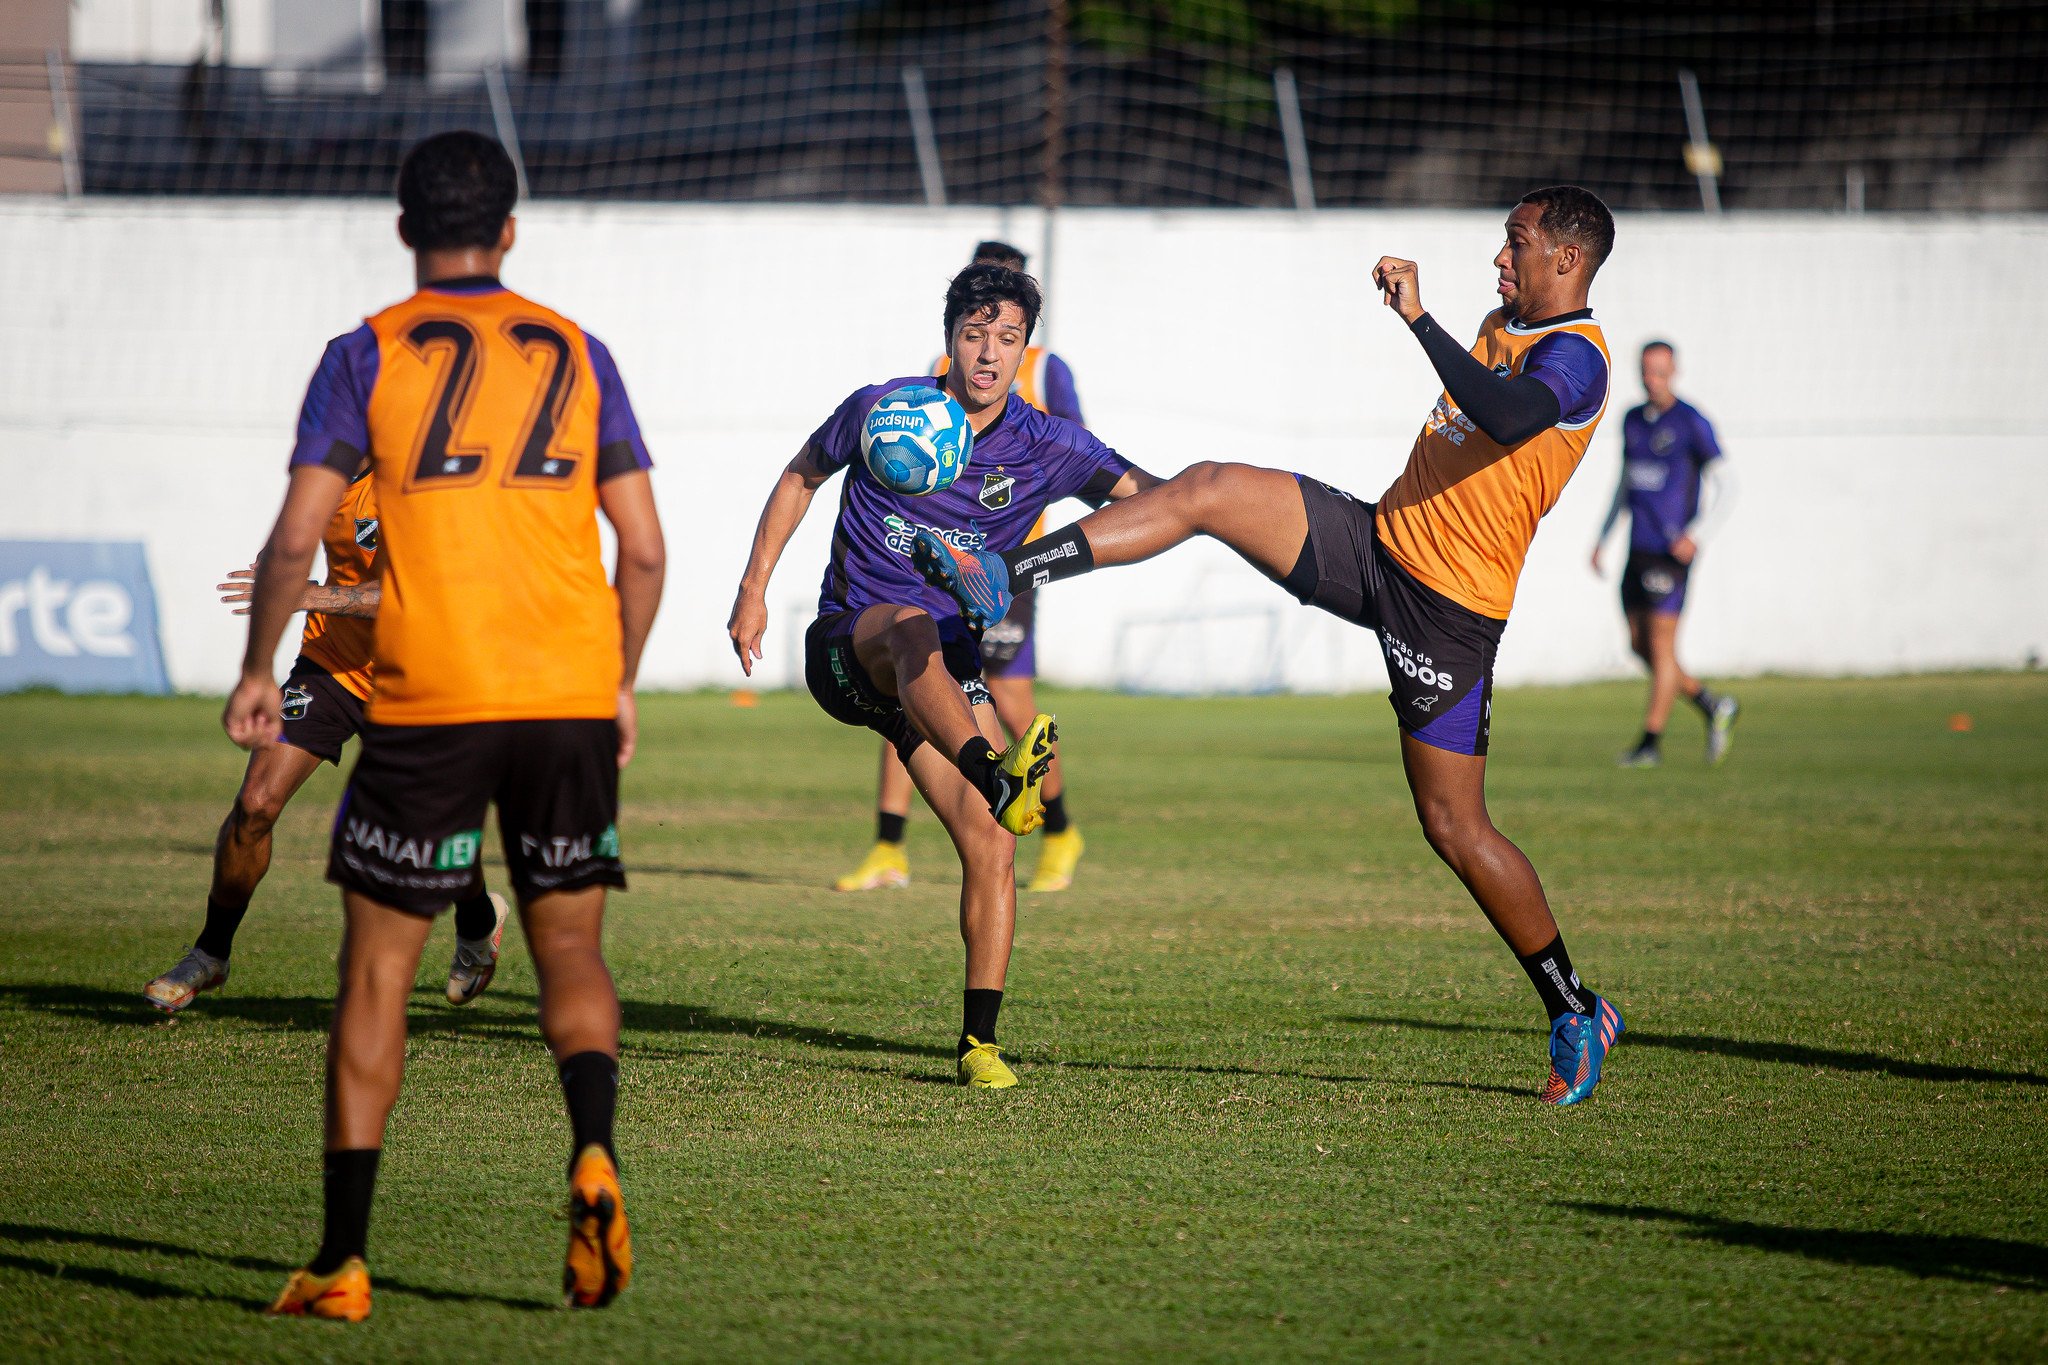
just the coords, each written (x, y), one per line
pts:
(1870, 378)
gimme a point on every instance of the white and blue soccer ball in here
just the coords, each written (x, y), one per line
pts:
(916, 439)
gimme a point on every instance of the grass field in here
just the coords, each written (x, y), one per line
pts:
(1278, 1076)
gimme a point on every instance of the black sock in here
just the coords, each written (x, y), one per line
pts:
(1652, 739)
(1059, 554)
(349, 1181)
(977, 763)
(217, 939)
(978, 1017)
(1056, 814)
(590, 1083)
(476, 917)
(890, 828)
(1706, 701)
(1550, 971)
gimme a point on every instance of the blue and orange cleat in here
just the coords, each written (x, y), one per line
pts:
(1578, 1048)
(343, 1295)
(978, 580)
(600, 1259)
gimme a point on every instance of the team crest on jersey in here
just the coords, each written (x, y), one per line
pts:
(366, 533)
(297, 701)
(995, 490)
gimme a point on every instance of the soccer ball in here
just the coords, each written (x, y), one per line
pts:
(916, 439)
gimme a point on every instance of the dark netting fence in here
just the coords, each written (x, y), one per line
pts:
(1901, 105)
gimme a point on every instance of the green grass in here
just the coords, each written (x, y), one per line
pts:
(1278, 1075)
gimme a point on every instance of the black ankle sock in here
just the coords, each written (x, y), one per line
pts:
(890, 828)
(1059, 554)
(1652, 739)
(1550, 971)
(476, 917)
(1706, 700)
(218, 937)
(977, 763)
(978, 1017)
(590, 1083)
(349, 1181)
(1056, 814)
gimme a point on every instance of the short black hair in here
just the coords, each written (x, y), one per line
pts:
(998, 253)
(984, 289)
(1660, 345)
(1575, 215)
(455, 189)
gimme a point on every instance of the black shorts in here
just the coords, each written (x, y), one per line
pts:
(1653, 582)
(849, 695)
(1008, 649)
(409, 831)
(1440, 655)
(320, 715)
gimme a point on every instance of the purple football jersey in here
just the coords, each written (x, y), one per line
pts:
(1662, 456)
(1018, 467)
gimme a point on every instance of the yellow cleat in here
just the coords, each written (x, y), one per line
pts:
(600, 1260)
(1021, 769)
(1057, 855)
(886, 865)
(982, 1065)
(343, 1295)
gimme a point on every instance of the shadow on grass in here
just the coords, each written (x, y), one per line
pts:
(1977, 1260)
(306, 1013)
(1785, 1054)
(32, 1234)
(1259, 1073)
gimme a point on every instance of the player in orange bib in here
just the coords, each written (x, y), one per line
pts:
(323, 709)
(1431, 569)
(1009, 664)
(497, 430)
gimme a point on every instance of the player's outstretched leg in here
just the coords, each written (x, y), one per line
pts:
(380, 955)
(1450, 800)
(900, 649)
(1257, 512)
(988, 909)
(579, 1018)
(241, 855)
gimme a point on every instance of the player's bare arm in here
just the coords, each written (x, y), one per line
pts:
(787, 503)
(627, 502)
(253, 708)
(359, 600)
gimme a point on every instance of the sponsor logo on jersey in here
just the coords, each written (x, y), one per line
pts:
(1404, 659)
(995, 490)
(562, 852)
(900, 530)
(366, 533)
(297, 701)
(456, 853)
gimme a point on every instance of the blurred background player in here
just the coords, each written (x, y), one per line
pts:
(323, 708)
(890, 653)
(1009, 664)
(497, 429)
(1676, 491)
(1431, 569)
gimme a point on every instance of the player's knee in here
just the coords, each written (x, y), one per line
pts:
(256, 812)
(988, 849)
(913, 633)
(1450, 828)
(1202, 484)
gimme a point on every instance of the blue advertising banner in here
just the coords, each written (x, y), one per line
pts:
(78, 615)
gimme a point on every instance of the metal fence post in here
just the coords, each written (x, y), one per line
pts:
(922, 133)
(501, 115)
(65, 129)
(1702, 158)
(1288, 98)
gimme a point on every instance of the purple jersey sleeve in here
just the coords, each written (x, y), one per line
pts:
(1571, 367)
(620, 448)
(1061, 398)
(334, 421)
(836, 444)
(1705, 445)
(1083, 467)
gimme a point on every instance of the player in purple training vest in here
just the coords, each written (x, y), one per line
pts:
(1676, 491)
(892, 654)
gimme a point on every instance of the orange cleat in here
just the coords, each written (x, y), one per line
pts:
(343, 1295)
(600, 1260)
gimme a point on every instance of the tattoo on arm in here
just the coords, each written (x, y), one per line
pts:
(361, 600)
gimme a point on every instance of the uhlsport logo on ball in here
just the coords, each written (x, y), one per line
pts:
(916, 439)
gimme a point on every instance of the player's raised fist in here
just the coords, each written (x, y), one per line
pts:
(254, 712)
(1400, 289)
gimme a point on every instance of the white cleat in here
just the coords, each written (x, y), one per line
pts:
(196, 972)
(476, 959)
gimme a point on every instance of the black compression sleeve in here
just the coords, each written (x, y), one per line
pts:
(1509, 410)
